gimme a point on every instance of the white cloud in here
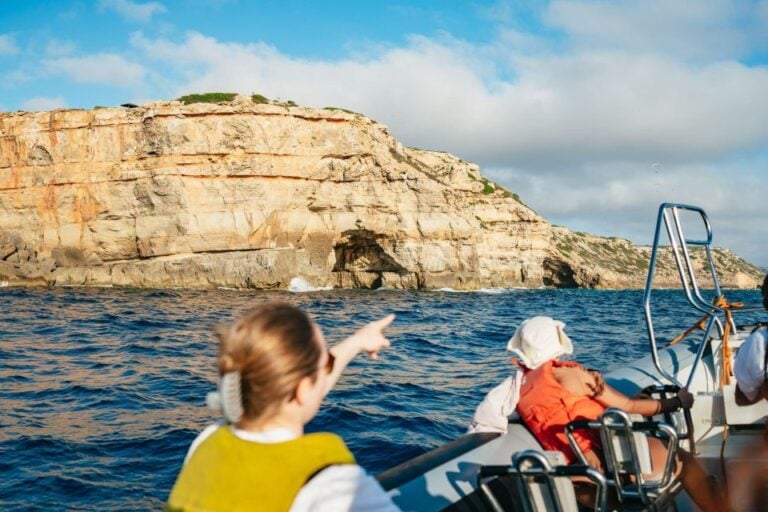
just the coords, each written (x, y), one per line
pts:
(686, 28)
(103, 68)
(8, 45)
(622, 198)
(40, 103)
(17, 77)
(59, 48)
(560, 109)
(133, 11)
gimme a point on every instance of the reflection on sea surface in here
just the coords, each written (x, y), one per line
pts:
(102, 390)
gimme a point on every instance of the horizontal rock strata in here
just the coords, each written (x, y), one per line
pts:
(248, 195)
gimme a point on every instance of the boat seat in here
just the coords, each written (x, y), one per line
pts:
(537, 482)
(627, 455)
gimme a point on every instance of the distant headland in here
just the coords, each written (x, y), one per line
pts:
(224, 190)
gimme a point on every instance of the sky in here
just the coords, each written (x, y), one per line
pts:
(594, 112)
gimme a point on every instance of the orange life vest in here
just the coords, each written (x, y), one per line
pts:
(546, 407)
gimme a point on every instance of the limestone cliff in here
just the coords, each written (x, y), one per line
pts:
(252, 195)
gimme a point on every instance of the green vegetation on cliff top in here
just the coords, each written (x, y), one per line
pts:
(222, 97)
(208, 97)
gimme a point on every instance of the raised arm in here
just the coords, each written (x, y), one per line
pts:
(369, 338)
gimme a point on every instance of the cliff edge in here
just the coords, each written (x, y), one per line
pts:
(251, 195)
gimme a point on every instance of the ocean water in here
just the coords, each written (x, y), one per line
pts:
(102, 390)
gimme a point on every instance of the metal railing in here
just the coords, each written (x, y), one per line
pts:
(680, 245)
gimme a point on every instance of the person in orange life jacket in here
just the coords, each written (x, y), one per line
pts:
(554, 393)
(275, 368)
(748, 475)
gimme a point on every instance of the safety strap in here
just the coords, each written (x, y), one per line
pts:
(727, 308)
(698, 324)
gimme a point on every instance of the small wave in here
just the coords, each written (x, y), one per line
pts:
(299, 285)
(492, 291)
(77, 285)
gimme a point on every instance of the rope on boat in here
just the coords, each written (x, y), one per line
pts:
(723, 305)
(727, 373)
(727, 308)
(701, 323)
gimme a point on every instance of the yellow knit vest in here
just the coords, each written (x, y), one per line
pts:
(226, 473)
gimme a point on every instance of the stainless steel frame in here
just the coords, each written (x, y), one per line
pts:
(532, 465)
(669, 215)
(617, 423)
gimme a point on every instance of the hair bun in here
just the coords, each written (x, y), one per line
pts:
(226, 363)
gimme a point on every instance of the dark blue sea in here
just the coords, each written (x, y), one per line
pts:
(102, 390)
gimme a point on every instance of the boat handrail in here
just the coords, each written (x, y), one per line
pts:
(680, 244)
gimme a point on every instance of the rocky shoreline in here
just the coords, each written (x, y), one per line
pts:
(251, 195)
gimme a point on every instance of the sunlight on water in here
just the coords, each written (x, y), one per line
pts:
(102, 390)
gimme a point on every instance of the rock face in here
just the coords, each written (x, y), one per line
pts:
(583, 260)
(248, 195)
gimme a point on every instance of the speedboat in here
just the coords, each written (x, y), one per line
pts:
(510, 471)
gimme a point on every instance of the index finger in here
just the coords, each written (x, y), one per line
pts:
(384, 322)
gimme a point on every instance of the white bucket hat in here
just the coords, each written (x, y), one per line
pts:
(538, 340)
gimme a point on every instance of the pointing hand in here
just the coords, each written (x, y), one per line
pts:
(370, 338)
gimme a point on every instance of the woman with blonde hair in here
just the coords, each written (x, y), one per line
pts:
(275, 368)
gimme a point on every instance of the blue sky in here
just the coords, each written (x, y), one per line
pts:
(593, 111)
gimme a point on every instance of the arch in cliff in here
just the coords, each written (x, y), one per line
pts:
(362, 262)
(558, 273)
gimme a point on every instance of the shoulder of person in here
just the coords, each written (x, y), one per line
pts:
(343, 487)
(493, 412)
(756, 340)
(576, 379)
(202, 436)
(574, 370)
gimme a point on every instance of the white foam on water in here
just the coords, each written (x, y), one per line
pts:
(300, 285)
(3, 284)
(493, 291)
